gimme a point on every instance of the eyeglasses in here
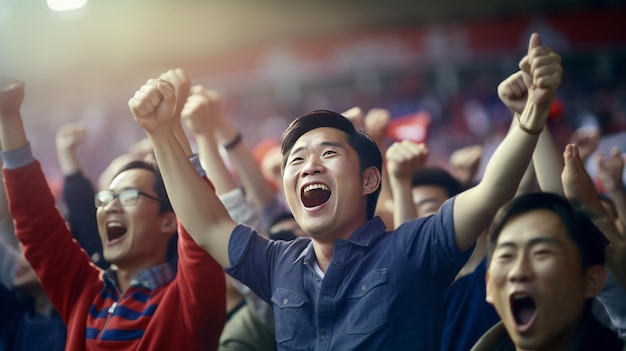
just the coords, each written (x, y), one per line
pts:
(127, 197)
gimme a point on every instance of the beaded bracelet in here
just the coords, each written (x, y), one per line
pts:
(231, 144)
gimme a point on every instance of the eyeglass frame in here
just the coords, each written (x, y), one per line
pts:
(118, 195)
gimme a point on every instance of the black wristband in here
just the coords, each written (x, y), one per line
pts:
(231, 144)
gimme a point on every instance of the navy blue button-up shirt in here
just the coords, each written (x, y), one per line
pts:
(381, 291)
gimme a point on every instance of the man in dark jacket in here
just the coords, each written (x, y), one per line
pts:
(546, 264)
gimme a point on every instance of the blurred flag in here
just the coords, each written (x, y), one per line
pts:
(410, 127)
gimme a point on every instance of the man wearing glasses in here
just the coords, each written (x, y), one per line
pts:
(140, 303)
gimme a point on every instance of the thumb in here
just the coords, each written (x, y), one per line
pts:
(169, 95)
(535, 41)
(166, 88)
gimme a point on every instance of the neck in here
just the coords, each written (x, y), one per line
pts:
(324, 246)
(323, 253)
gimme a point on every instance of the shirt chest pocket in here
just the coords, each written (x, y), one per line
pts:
(289, 307)
(368, 305)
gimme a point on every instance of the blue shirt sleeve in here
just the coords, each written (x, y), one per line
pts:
(17, 158)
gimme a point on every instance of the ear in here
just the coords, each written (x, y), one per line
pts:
(371, 180)
(488, 297)
(595, 278)
(168, 223)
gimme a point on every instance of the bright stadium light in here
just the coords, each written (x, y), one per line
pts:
(66, 5)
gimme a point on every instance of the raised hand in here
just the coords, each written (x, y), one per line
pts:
(587, 140)
(376, 122)
(202, 111)
(11, 96)
(513, 93)
(577, 184)
(12, 134)
(610, 170)
(182, 85)
(543, 72)
(465, 163)
(71, 135)
(579, 189)
(154, 105)
(404, 158)
(68, 137)
(356, 116)
(142, 150)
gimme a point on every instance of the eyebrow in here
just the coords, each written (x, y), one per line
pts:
(323, 143)
(532, 242)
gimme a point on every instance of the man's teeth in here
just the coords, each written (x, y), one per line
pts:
(315, 186)
(114, 224)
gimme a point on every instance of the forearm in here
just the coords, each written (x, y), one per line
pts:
(403, 208)
(68, 161)
(195, 203)
(249, 171)
(616, 250)
(510, 161)
(214, 165)
(528, 184)
(619, 199)
(78, 193)
(179, 132)
(474, 208)
(12, 134)
(548, 163)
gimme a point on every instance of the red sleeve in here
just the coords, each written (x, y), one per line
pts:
(61, 265)
(202, 287)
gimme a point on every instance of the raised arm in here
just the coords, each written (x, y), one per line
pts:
(465, 162)
(195, 203)
(474, 208)
(579, 189)
(547, 162)
(258, 190)
(68, 137)
(403, 159)
(12, 134)
(78, 191)
(199, 117)
(182, 85)
(610, 171)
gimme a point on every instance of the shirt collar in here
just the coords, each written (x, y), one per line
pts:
(151, 278)
(364, 236)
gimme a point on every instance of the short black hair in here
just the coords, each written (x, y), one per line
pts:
(365, 147)
(437, 176)
(587, 237)
(157, 185)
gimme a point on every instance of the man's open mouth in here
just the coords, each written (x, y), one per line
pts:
(115, 230)
(523, 308)
(315, 195)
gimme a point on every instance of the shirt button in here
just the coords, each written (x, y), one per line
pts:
(324, 337)
(285, 301)
(363, 288)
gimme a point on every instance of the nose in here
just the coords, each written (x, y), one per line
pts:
(521, 269)
(312, 166)
(113, 205)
